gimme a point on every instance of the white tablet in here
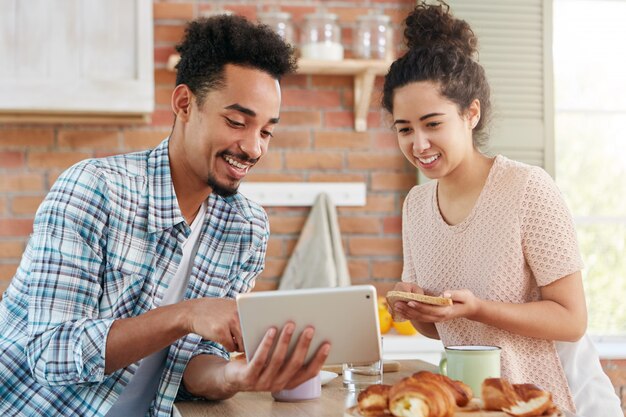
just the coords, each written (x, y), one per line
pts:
(346, 316)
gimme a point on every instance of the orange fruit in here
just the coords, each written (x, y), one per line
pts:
(404, 328)
(384, 319)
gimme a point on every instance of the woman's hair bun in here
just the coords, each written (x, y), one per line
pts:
(433, 25)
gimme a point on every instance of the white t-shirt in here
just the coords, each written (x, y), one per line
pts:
(137, 396)
(591, 388)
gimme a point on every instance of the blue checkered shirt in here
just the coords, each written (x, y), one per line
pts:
(107, 239)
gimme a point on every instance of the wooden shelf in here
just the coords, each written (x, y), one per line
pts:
(80, 118)
(364, 72)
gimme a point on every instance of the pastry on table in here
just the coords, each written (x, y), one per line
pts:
(421, 397)
(374, 400)
(519, 400)
(462, 392)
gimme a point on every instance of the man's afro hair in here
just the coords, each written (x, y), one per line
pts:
(211, 43)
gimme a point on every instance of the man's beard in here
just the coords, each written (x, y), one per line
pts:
(219, 189)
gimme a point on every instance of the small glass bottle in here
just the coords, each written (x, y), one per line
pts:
(321, 37)
(280, 22)
(374, 37)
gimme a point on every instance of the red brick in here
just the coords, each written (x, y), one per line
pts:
(386, 140)
(106, 154)
(392, 225)
(11, 159)
(3, 286)
(182, 11)
(300, 118)
(349, 14)
(55, 159)
(342, 140)
(162, 117)
(168, 33)
(393, 181)
(294, 80)
(313, 160)
(310, 98)
(377, 161)
(397, 16)
(7, 271)
(332, 81)
(265, 284)
(26, 137)
(274, 268)
(249, 12)
(387, 269)
(143, 139)
(374, 203)
(321, 177)
(358, 269)
(163, 96)
(360, 225)
(298, 12)
(164, 77)
(375, 246)
(90, 139)
(269, 161)
(274, 247)
(11, 249)
(26, 204)
(17, 182)
(347, 99)
(162, 53)
(15, 227)
(345, 119)
(290, 139)
(285, 225)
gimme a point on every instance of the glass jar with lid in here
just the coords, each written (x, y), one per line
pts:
(374, 37)
(321, 37)
(280, 22)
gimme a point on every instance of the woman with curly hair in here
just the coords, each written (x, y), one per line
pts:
(492, 234)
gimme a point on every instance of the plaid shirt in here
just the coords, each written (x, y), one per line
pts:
(106, 241)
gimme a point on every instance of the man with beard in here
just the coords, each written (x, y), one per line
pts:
(123, 301)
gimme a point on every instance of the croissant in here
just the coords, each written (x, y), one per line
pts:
(519, 400)
(462, 392)
(374, 400)
(421, 397)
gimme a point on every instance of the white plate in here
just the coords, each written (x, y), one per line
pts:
(326, 376)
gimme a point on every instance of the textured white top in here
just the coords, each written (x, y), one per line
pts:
(519, 236)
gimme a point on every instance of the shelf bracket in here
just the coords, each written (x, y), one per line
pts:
(363, 87)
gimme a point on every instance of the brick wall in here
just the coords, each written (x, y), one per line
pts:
(314, 142)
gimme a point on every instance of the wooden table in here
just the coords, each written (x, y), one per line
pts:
(334, 400)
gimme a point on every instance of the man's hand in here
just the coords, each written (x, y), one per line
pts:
(214, 378)
(215, 319)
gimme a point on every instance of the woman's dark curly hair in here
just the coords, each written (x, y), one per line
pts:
(441, 50)
(211, 43)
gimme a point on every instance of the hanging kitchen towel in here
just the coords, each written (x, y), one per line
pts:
(318, 259)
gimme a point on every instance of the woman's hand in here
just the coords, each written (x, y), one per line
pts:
(466, 305)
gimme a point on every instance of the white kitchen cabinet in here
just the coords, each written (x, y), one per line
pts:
(76, 58)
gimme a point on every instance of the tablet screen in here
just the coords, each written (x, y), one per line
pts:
(346, 316)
